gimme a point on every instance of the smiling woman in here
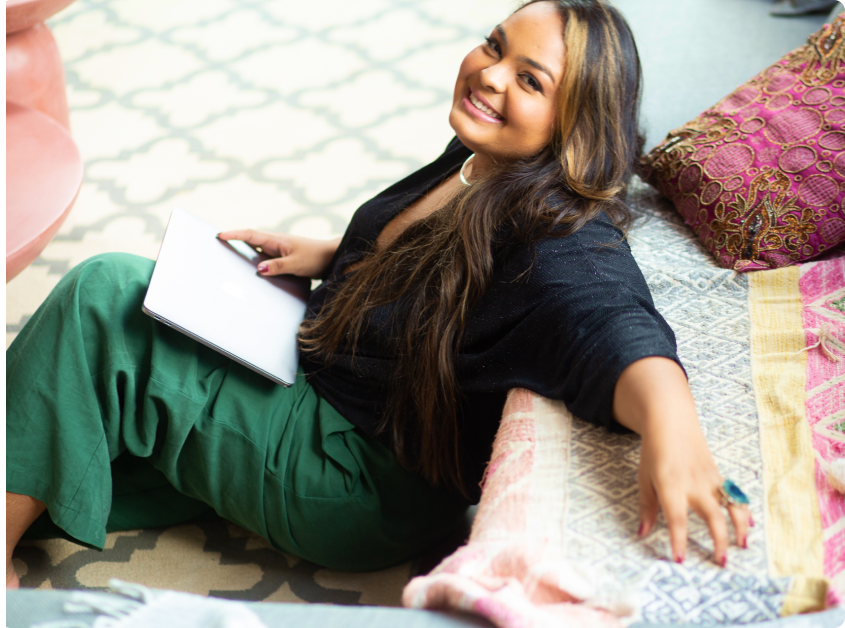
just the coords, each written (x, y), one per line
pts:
(470, 277)
(553, 143)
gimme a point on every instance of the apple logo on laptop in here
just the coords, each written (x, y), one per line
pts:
(233, 289)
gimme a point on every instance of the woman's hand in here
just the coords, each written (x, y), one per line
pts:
(292, 255)
(676, 471)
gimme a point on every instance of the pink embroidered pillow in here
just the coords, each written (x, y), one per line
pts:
(760, 176)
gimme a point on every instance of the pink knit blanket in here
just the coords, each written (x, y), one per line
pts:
(512, 570)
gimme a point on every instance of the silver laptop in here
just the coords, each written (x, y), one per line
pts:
(209, 290)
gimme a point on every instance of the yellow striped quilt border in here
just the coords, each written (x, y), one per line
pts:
(793, 523)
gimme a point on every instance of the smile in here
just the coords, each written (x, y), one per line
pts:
(475, 106)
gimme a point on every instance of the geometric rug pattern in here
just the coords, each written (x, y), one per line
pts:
(266, 114)
(707, 308)
(211, 558)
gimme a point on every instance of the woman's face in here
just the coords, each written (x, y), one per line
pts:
(504, 102)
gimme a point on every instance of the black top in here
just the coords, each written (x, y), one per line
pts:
(565, 330)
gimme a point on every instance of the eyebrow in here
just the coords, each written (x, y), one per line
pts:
(524, 59)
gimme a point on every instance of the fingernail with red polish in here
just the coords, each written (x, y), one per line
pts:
(724, 562)
(750, 521)
(642, 527)
(262, 268)
(679, 558)
(745, 542)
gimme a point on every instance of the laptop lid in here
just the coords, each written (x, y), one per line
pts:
(210, 290)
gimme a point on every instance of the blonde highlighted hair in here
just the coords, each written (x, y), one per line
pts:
(602, 71)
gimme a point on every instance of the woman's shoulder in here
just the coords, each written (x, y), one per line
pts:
(595, 259)
(599, 241)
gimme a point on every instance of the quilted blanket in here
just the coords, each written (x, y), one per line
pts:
(798, 352)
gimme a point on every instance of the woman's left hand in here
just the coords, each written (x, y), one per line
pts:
(677, 472)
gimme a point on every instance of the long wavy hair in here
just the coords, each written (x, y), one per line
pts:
(440, 266)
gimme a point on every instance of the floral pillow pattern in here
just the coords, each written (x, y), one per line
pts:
(760, 176)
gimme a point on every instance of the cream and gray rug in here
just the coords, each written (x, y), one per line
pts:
(706, 306)
(210, 558)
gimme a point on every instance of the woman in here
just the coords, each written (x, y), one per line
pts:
(500, 264)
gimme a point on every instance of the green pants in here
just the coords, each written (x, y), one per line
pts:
(116, 421)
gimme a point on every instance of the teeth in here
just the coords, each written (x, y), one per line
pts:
(481, 106)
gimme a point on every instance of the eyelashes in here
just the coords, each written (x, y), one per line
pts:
(533, 83)
(494, 45)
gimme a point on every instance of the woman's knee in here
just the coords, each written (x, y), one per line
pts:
(110, 286)
(121, 269)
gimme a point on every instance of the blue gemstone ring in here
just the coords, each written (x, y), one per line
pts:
(732, 495)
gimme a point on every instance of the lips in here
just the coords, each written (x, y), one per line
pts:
(476, 105)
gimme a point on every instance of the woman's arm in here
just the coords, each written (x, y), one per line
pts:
(676, 472)
(293, 255)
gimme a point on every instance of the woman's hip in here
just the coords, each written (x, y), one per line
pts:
(335, 496)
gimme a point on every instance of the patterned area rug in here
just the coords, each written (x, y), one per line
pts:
(266, 114)
(707, 308)
(210, 558)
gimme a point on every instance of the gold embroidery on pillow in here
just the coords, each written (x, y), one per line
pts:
(751, 227)
(675, 152)
(823, 56)
(762, 168)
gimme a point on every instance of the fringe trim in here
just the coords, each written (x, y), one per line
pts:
(824, 336)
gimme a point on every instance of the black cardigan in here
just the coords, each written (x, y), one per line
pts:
(566, 330)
